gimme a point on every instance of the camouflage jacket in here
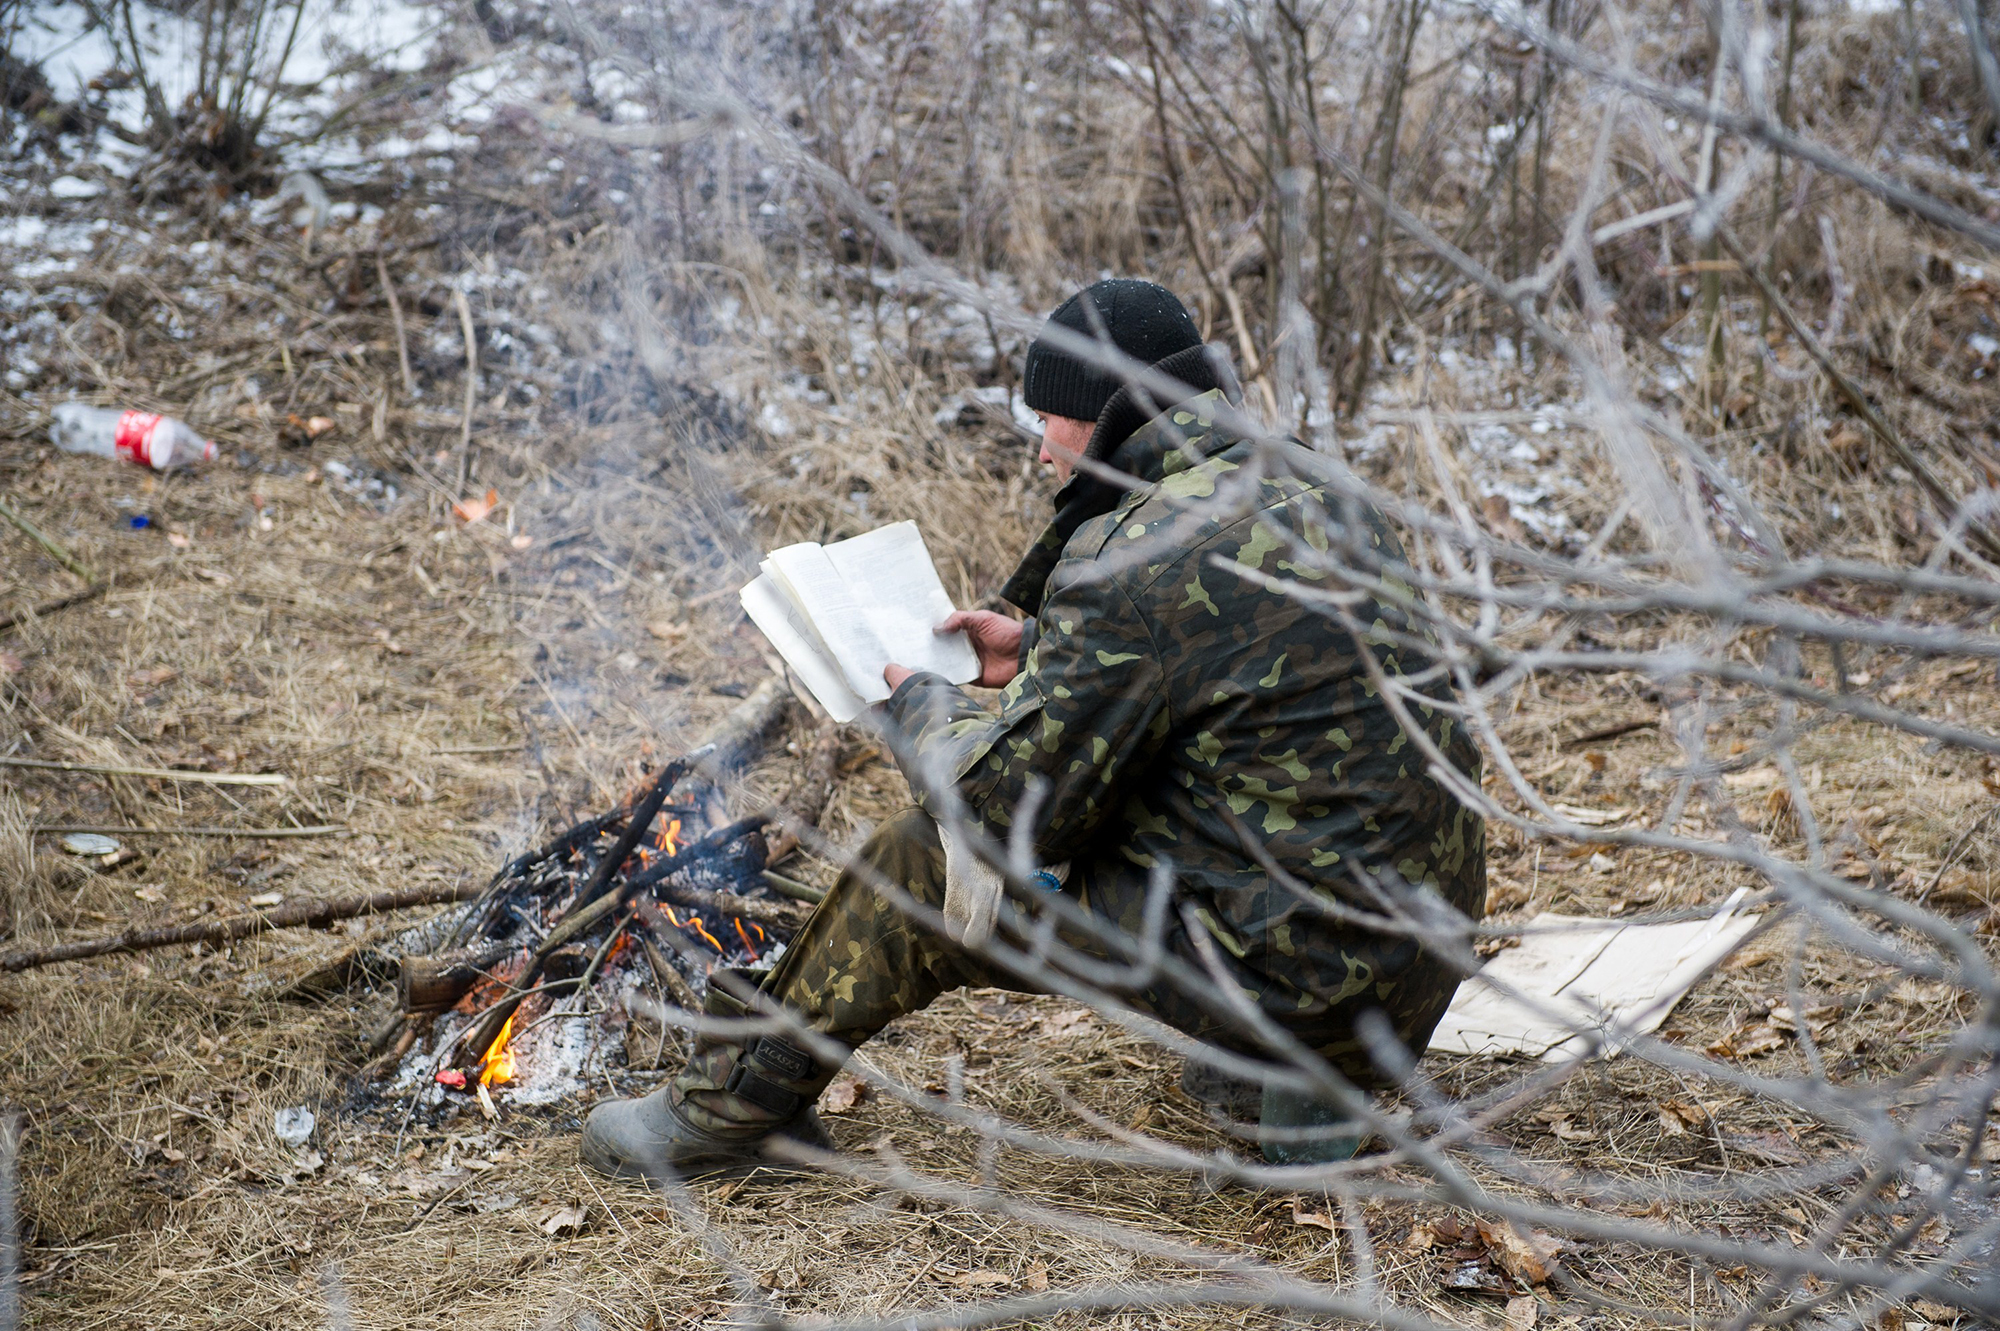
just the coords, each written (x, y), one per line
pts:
(1161, 690)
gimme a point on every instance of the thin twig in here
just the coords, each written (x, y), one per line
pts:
(793, 888)
(90, 593)
(471, 383)
(156, 773)
(47, 542)
(396, 316)
(247, 833)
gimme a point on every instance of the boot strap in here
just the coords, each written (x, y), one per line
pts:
(793, 1064)
(761, 1091)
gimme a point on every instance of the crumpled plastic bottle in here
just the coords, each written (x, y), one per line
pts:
(143, 437)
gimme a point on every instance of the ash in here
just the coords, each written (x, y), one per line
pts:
(544, 951)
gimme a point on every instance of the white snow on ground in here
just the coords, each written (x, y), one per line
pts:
(333, 36)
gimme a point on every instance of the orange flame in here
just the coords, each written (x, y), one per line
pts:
(669, 840)
(694, 923)
(498, 1067)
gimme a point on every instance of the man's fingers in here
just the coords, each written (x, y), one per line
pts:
(952, 623)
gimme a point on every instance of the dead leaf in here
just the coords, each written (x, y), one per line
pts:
(521, 540)
(475, 510)
(666, 630)
(1567, 1131)
(1500, 517)
(984, 1278)
(1748, 1041)
(318, 425)
(1528, 1258)
(845, 1092)
(263, 899)
(10, 664)
(146, 679)
(1069, 1020)
(1317, 1219)
(565, 1219)
(149, 893)
(177, 540)
(1766, 950)
(1522, 1312)
(1421, 1238)
(1677, 1116)
(1037, 1277)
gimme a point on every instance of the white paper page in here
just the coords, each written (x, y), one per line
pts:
(892, 579)
(795, 640)
(1482, 1020)
(838, 617)
(1627, 977)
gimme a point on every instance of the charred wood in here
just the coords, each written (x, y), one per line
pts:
(432, 984)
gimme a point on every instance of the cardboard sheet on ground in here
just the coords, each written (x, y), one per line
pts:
(1583, 975)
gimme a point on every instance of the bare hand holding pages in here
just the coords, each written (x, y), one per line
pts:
(839, 613)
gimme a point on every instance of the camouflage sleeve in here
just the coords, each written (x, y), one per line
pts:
(1085, 713)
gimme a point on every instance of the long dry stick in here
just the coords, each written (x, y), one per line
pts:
(48, 543)
(90, 593)
(396, 317)
(247, 833)
(471, 383)
(303, 914)
(158, 773)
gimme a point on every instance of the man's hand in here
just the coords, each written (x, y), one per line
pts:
(893, 675)
(996, 640)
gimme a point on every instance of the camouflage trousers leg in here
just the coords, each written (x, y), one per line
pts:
(860, 962)
(857, 965)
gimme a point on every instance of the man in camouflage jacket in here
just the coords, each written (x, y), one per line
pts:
(1171, 705)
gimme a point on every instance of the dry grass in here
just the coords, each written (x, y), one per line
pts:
(445, 695)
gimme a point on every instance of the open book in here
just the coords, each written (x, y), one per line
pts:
(839, 613)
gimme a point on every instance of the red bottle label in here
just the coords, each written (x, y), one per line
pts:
(134, 439)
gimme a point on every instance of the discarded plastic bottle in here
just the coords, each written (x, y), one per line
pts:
(150, 440)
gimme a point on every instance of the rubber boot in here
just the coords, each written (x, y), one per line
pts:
(721, 1111)
(1311, 1127)
(1232, 1097)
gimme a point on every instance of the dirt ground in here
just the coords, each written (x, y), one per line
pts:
(440, 696)
(443, 692)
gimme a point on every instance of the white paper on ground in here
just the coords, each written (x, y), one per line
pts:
(1581, 976)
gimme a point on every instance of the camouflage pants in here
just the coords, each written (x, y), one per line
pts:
(860, 962)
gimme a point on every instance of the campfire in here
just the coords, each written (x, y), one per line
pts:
(525, 985)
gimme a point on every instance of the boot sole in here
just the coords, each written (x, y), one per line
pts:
(808, 1131)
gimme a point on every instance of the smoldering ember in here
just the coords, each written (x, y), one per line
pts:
(1086, 664)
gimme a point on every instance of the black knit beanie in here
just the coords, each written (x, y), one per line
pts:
(1143, 319)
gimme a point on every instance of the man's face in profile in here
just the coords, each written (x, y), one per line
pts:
(1063, 440)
